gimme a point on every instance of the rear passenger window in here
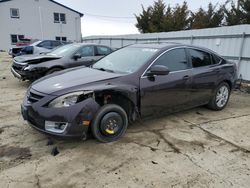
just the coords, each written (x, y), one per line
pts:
(102, 51)
(175, 60)
(199, 58)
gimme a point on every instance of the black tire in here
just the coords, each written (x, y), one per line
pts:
(109, 115)
(213, 104)
(53, 70)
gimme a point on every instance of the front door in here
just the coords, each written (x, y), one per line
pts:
(168, 93)
(87, 57)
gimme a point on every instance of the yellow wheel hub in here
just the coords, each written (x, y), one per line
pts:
(110, 131)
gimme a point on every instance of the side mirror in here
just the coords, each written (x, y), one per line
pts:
(158, 70)
(77, 56)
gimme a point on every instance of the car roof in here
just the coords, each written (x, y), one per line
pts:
(154, 45)
(168, 45)
(86, 44)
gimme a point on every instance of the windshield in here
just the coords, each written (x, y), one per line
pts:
(36, 43)
(65, 50)
(126, 60)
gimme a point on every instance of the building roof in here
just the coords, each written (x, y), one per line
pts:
(81, 14)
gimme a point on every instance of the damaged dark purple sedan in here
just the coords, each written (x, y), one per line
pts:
(134, 82)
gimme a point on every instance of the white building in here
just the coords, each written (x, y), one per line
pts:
(37, 19)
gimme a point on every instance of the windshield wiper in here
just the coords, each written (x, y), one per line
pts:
(103, 69)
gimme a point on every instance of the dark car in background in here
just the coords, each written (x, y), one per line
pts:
(36, 47)
(23, 42)
(138, 81)
(67, 56)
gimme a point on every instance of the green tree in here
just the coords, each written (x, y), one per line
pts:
(245, 6)
(180, 17)
(168, 20)
(162, 18)
(213, 17)
(152, 18)
(157, 18)
(234, 15)
(143, 20)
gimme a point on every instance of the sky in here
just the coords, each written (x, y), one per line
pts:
(116, 17)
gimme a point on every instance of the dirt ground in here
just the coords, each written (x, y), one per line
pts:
(195, 148)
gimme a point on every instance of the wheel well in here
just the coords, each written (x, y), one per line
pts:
(51, 68)
(116, 98)
(56, 67)
(229, 83)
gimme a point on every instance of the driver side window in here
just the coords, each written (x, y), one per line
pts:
(86, 51)
(175, 60)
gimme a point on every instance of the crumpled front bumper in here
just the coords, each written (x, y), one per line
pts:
(28, 75)
(75, 116)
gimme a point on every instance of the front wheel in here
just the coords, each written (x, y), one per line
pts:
(220, 98)
(110, 123)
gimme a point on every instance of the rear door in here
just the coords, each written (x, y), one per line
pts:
(205, 75)
(168, 93)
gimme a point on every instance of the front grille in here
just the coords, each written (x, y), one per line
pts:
(34, 97)
(16, 50)
(17, 67)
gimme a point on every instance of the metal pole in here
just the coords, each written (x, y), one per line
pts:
(41, 22)
(241, 49)
(110, 42)
(76, 40)
(61, 31)
(122, 42)
(191, 39)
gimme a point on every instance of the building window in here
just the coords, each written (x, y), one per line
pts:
(64, 39)
(59, 17)
(16, 38)
(56, 18)
(14, 13)
(63, 18)
(61, 38)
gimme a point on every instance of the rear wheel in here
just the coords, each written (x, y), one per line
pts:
(110, 123)
(220, 98)
(53, 70)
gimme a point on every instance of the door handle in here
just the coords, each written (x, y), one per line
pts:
(186, 77)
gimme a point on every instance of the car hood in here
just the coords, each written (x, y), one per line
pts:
(71, 78)
(34, 59)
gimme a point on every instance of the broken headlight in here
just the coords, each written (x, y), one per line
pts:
(70, 99)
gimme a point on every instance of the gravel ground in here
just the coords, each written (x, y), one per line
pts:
(195, 148)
